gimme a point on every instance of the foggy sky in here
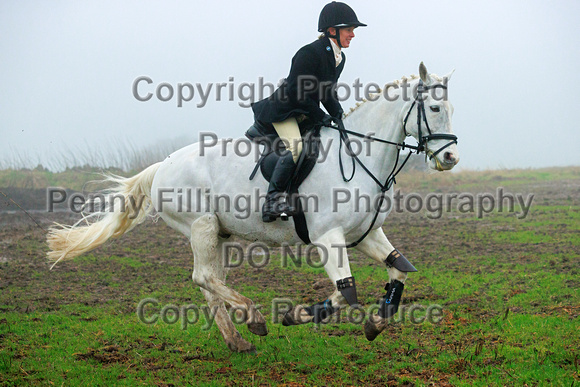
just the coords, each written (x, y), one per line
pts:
(67, 69)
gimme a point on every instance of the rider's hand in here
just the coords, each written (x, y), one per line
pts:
(338, 119)
(327, 120)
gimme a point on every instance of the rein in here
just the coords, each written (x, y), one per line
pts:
(421, 146)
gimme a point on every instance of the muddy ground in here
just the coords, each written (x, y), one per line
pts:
(27, 285)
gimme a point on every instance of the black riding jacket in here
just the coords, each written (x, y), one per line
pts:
(312, 79)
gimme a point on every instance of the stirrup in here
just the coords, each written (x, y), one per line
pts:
(288, 211)
(273, 209)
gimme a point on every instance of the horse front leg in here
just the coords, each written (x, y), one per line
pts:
(332, 250)
(377, 246)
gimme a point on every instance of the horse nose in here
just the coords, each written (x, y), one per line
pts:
(450, 158)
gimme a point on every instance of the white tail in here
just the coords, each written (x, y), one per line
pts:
(134, 196)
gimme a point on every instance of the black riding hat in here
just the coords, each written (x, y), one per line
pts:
(337, 14)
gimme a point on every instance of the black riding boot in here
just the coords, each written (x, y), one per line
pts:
(275, 203)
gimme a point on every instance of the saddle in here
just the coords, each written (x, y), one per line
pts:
(265, 134)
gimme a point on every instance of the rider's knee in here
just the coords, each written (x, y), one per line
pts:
(296, 149)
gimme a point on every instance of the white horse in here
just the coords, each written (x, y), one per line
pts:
(179, 189)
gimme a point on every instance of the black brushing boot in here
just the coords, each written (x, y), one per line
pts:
(275, 204)
(390, 302)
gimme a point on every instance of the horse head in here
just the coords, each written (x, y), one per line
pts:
(432, 126)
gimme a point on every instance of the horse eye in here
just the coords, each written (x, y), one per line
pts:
(434, 109)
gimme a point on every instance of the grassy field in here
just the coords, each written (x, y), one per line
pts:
(508, 289)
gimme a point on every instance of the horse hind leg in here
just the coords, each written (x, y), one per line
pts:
(209, 273)
(232, 337)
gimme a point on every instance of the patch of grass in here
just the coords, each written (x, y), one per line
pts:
(507, 288)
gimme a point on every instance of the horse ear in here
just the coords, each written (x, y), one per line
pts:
(424, 74)
(448, 75)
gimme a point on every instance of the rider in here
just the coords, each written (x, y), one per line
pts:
(313, 75)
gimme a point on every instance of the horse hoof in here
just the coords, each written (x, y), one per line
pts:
(288, 320)
(371, 330)
(296, 316)
(244, 348)
(250, 350)
(258, 328)
(238, 344)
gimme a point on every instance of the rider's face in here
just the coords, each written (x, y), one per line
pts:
(346, 35)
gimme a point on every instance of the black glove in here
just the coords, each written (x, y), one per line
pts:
(338, 121)
(327, 120)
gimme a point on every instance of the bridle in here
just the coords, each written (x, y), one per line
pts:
(421, 116)
(420, 147)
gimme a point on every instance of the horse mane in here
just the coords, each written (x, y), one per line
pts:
(397, 82)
